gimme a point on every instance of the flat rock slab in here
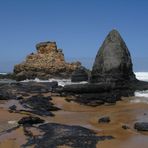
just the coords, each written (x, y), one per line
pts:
(58, 135)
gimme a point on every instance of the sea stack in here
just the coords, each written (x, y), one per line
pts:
(113, 61)
(47, 62)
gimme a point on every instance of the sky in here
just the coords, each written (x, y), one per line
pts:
(78, 26)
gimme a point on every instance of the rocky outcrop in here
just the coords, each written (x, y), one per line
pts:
(113, 61)
(60, 135)
(112, 75)
(46, 63)
(80, 74)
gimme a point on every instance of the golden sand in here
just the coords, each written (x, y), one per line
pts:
(123, 113)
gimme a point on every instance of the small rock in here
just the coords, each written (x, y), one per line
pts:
(105, 119)
(141, 126)
(125, 127)
(30, 120)
(13, 107)
(19, 98)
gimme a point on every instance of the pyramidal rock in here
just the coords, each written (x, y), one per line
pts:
(113, 61)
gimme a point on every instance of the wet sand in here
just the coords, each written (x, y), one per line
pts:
(123, 113)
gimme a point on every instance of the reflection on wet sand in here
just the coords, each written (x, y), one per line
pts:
(123, 113)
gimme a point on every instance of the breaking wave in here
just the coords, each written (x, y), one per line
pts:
(141, 96)
(61, 82)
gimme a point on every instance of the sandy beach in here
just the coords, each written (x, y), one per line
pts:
(123, 113)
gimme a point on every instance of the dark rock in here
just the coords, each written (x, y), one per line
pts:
(27, 132)
(30, 120)
(125, 127)
(97, 94)
(80, 74)
(20, 97)
(39, 105)
(7, 76)
(113, 61)
(63, 135)
(13, 107)
(141, 126)
(112, 74)
(105, 119)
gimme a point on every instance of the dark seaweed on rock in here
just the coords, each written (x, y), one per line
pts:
(39, 105)
(58, 135)
(30, 120)
(18, 90)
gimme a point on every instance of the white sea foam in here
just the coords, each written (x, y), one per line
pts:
(141, 96)
(142, 93)
(61, 82)
(3, 73)
(143, 76)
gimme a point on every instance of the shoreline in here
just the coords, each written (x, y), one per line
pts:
(123, 112)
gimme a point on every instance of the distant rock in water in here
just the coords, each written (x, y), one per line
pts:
(47, 63)
(113, 61)
(80, 74)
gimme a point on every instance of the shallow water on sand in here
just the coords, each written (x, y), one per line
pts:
(124, 112)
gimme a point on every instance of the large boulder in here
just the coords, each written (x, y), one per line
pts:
(80, 74)
(113, 61)
(48, 62)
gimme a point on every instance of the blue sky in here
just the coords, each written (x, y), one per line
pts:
(78, 26)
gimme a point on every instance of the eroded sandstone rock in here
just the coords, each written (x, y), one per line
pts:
(48, 62)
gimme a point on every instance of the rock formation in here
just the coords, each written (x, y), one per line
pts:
(112, 75)
(113, 61)
(46, 63)
(80, 74)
